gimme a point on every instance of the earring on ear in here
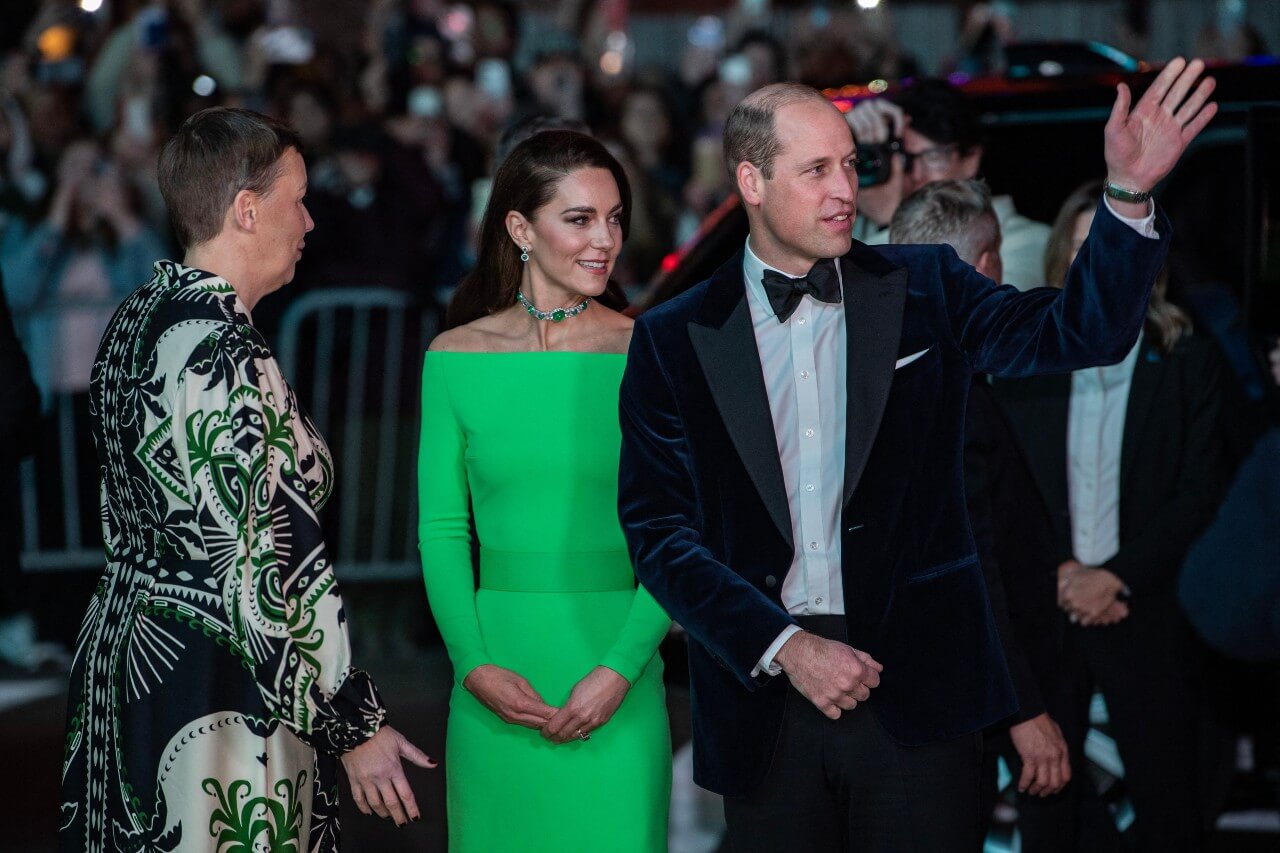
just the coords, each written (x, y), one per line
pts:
(524, 254)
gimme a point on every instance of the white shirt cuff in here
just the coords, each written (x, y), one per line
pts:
(1145, 225)
(766, 664)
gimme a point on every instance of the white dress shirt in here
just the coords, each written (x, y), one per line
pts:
(804, 365)
(804, 362)
(1095, 434)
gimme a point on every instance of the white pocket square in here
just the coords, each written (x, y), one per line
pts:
(907, 359)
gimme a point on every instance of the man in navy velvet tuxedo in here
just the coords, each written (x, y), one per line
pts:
(791, 488)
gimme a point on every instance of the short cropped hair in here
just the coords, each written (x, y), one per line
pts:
(215, 154)
(957, 213)
(749, 132)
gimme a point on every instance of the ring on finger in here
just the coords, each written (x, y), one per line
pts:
(583, 735)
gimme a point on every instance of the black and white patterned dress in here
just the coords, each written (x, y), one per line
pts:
(212, 688)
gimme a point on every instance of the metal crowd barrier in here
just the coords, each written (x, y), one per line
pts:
(354, 357)
(366, 405)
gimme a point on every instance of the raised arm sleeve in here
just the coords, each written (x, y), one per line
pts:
(1093, 319)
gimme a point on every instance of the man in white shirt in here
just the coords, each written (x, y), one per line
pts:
(941, 140)
(790, 486)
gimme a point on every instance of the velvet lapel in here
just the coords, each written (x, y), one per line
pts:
(1148, 373)
(725, 344)
(875, 293)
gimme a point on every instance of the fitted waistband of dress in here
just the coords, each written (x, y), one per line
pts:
(556, 571)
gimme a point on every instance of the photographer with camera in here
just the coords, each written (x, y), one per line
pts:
(930, 132)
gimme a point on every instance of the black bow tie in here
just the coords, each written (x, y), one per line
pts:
(785, 292)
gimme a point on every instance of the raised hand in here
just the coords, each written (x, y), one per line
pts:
(833, 676)
(874, 121)
(592, 703)
(509, 695)
(1143, 144)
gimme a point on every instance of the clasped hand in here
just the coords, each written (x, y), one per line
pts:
(592, 702)
(1089, 595)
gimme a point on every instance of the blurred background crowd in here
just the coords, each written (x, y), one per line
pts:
(403, 103)
(405, 108)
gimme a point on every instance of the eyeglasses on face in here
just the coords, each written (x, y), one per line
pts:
(933, 159)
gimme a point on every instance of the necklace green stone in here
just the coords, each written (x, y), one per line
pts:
(556, 316)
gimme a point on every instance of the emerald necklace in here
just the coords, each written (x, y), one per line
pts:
(555, 316)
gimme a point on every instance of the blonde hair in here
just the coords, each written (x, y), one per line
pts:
(1165, 321)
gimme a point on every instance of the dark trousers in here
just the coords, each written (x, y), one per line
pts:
(845, 785)
(1070, 822)
(1153, 712)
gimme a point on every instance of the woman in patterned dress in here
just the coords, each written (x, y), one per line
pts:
(212, 689)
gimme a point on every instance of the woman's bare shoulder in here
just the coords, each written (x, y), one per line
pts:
(483, 335)
(617, 332)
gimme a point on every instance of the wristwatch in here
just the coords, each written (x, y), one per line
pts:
(1122, 194)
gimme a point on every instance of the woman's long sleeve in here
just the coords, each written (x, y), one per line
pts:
(647, 623)
(444, 532)
(255, 480)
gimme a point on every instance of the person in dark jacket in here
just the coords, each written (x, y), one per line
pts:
(1128, 460)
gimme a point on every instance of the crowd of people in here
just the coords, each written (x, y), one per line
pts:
(401, 106)
(401, 125)
(423, 155)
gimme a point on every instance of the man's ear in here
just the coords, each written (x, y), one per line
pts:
(750, 183)
(970, 163)
(990, 264)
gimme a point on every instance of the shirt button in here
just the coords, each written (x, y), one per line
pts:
(809, 487)
(818, 600)
(813, 546)
(804, 374)
(801, 321)
(808, 433)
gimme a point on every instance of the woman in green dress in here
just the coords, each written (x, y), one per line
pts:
(558, 737)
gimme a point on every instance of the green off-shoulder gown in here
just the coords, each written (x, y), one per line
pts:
(532, 439)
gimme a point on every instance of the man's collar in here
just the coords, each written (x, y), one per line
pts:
(753, 270)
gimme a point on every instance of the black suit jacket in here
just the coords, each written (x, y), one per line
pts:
(1009, 524)
(1172, 475)
(704, 508)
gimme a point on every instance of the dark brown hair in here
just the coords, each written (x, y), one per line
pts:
(1165, 320)
(215, 154)
(525, 182)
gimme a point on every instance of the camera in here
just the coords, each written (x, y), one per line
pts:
(875, 162)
